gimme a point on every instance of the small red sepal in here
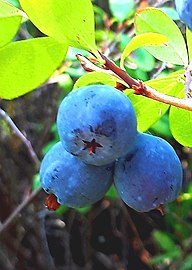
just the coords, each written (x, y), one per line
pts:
(51, 202)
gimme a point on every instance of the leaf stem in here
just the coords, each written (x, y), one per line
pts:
(16, 130)
(18, 210)
(144, 90)
(188, 81)
(138, 86)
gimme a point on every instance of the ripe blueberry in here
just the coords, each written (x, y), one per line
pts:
(97, 124)
(184, 10)
(74, 183)
(150, 175)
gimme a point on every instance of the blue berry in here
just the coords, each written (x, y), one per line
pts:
(184, 10)
(51, 156)
(74, 183)
(150, 175)
(97, 124)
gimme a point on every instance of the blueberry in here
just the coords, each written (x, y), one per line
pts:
(74, 183)
(50, 158)
(97, 124)
(184, 10)
(150, 175)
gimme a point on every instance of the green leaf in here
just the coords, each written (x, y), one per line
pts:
(121, 9)
(61, 210)
(170, 256)
(10, 20)
(148, 111)
(186, 263)
(189, 43)
(65, 20)
(164, 241)
(143, 60)
(142, 40)
(27, 64)
(161, 127)
(8, 29)
(66, 82)
(156, 21)
(36, 182)
(112, 193)
(181, 123)
(14, 3)
(49, 145)
(8, 10)
(83, 210)
(96, 78)
(171, 12)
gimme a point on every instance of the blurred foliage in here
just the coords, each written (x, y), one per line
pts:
(14, 3)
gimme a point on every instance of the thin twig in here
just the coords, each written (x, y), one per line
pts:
(89, 66)
(18, 210)
(188, 81)
(35, 159)
(137, 243)
(151, 93)
(119, 72)
(160, 69)
(144, 90)
(16, 131)
(139, 87)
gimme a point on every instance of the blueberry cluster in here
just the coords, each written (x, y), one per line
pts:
(100, 145)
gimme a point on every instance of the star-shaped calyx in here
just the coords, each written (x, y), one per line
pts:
(92, 146)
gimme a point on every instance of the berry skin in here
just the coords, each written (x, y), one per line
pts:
(51, 156)
(150, 175)
(184, 10)
(74, 183)
(96, 123)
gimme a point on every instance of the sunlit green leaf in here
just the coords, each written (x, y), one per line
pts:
(143, 60)
(156, 21)
(65, 20)
(171, 12)
(181, 123)
(8, 10)
(189, 43)
(27, 64)
(161, 127)
(96, 78)
(8, 28)
(138, 73)
(142, 40)
(10, 20)
(148, 111)
(14, 3)
(121, 9)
